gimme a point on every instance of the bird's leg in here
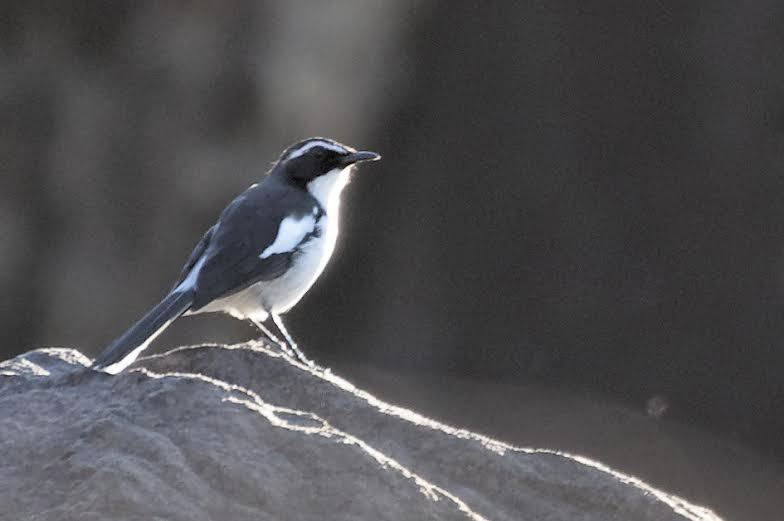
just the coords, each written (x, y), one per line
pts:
(280, 343)
(293, 345)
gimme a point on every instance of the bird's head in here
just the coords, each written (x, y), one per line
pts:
(313, 158)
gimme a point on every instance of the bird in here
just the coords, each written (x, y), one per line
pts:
(266, 250)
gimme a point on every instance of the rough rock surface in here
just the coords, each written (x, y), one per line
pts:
(241, 432)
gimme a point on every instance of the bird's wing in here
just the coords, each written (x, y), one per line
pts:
(198, 251)
(254, 240)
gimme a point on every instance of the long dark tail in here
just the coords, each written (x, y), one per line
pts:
(123, 351)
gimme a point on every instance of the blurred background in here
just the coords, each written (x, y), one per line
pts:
(575, 239)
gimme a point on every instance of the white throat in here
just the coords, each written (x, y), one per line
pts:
(327, 188)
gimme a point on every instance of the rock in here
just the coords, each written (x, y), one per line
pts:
(242, 432)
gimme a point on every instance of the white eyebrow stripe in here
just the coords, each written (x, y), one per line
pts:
(291, 232)
(313, 144)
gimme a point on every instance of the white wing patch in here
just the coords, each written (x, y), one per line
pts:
(291, 232)
(190, 281)
(313, 144)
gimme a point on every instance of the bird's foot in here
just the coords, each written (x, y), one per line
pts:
(300, 356)
(292, 352)
(278, 345)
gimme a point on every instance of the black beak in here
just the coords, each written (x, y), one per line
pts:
(357, 157)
